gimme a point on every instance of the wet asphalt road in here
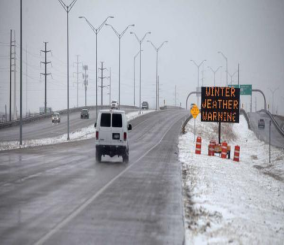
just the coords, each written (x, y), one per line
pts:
(45, 128)
(59, 195)
(263, 134)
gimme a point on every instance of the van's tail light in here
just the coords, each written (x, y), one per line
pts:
(97, 135)
(125, 136)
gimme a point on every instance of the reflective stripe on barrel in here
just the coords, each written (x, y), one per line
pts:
(198, 145)
(237, 153)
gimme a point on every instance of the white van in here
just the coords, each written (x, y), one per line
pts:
(112, 134)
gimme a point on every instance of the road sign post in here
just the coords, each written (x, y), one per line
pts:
(194, 112)
(270, 141)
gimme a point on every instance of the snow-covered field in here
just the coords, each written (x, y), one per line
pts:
(82, 134)
(228, 202)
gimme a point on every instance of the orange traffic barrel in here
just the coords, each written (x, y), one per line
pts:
(224, 149)
(237, 153)
(211, 147)
(198, 145)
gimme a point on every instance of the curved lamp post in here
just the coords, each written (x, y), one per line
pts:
(119, 38)
(96, 31)
(214, 72)
(134, 73)
(67, 8)
(197, 75)
(227, 72)
(273, 91)
(140, 41)
(157, 60)
(231, 75)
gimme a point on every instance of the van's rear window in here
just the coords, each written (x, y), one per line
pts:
(105, 120)
(116, 120)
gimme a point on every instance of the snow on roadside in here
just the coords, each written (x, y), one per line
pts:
(82, 134)
(232, 202)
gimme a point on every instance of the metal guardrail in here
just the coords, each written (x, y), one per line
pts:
(184, 124)
(166, 107)
(47, 115)
(277, 126)
(243, 112)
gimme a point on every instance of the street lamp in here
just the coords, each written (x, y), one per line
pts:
(67, 8)
(231, 75)
(198, 76)
(226, 66)
(96, 31)
(157, 60)
(134, 73)
(119, 37)
(214, 72)
(273, 91)
(140, 42)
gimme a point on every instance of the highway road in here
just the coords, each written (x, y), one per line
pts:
(59, 194)
(263, 134)
(44, 128)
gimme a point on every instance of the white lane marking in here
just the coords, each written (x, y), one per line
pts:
(91, 199)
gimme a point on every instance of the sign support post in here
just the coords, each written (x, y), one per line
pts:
(194, 130)
(219, 137)
(194, 112)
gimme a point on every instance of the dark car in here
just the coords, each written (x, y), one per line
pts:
(85, 114)
(261, 123)
(145, 105)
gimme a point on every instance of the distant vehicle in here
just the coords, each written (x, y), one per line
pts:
(112, 134)
(145, 105)
(261, 123)
(114, 104)
(55, 117)
(85, 113)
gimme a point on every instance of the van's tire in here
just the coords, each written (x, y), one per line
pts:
(125, 156)
(98, 156)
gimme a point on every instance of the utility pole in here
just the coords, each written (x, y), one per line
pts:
(85, 76)
(102, 81)
(10, 100)
(45, 75)
(15, 73)
(26, 80)
(77, 73)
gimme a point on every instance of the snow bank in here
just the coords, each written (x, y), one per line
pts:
(232, 202)
(82, 134)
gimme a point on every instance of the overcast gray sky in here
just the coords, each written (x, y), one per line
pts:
(248, 32)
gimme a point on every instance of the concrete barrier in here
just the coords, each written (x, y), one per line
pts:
(62, 112)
